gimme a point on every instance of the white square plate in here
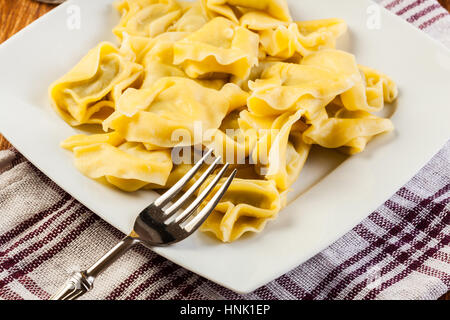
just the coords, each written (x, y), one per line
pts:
(331, 196)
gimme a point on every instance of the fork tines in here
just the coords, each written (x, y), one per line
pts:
(195, 222)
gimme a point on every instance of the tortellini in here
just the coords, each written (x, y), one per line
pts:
(220, 46)
(240, 77)
(286, 40)
(231, 9)
(192, 19)
(89, 91)
(247, 206)
(347, 129)
(128, 165)
(146, 18)
(281, 153)
(169, 110)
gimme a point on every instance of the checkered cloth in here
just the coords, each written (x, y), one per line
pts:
(401, 251)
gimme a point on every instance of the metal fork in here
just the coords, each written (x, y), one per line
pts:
(157, 225)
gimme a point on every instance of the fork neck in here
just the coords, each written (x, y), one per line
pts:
(112, 255)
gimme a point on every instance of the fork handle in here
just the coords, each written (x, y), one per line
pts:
(81, 282)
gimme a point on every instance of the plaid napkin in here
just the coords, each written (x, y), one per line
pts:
(401, 251)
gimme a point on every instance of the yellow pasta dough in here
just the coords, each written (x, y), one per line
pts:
(102, 74)
(129, 166)
(230, 8)
(310, 85)
(146, 18)
(220, 46)
(240, 77)
(347, 129)
(170, 110)
(247, 206)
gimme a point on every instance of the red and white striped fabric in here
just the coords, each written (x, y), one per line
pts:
(427, 15)
(401, 251)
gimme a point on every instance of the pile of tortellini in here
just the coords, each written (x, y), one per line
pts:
(267, 87)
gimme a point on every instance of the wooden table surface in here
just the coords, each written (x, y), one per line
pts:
(15, 15)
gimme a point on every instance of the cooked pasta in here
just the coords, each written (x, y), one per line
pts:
(262, 87)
